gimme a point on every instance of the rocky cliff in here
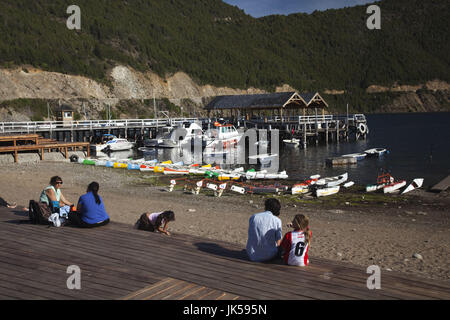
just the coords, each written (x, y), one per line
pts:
(131, 93)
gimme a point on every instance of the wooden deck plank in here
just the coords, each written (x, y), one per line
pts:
(268, 287)
(203, 268)
(362, 284)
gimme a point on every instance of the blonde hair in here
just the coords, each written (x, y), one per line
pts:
(301, 222)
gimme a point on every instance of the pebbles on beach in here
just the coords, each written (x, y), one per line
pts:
(417, 256)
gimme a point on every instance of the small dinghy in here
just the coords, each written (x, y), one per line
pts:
(376, 152)
(322, 192)
(303, 187)
(358, 156)
(349, 184)
(383, 180)
(417, 183)
(333, 181)
(390, 188)
(292, 142)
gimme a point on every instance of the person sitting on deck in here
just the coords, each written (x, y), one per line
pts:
(264, 232)
(91, 211)
(55, 201)
(295, 244)
(153, 221)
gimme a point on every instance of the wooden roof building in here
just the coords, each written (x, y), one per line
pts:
(278, 103)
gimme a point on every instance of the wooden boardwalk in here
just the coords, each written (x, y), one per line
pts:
(119, 262)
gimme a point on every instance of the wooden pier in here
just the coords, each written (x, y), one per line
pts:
(442, 186)
(120, 262)
(34, 142)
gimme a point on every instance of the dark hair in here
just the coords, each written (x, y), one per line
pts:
(273, 205)
(54, 179)
(93, 187)
(167, 216)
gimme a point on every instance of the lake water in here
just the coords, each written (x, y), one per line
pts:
(419, 146)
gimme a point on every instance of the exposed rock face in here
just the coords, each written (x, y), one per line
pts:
(434, 85)
(126, 84)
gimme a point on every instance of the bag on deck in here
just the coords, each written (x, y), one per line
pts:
(39, 213)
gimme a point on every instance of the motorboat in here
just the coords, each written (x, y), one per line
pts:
(376, 152)
(221, 137)
(110, 143)
(292, 142)
(172, 137)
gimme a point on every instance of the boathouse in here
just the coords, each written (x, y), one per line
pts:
(282, 104)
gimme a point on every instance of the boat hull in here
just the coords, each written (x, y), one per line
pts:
(394, 186)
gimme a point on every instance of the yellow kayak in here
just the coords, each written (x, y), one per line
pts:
(158, 169)
(120, 165)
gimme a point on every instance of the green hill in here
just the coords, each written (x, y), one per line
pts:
(219, 44)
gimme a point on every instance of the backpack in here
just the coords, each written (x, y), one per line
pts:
(39, 213)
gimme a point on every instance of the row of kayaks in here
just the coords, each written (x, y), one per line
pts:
(388, 184)
(179, 168)
(375, 152)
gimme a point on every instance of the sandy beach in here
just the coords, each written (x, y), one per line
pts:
(353, 226)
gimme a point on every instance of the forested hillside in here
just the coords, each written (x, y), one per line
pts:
(219, 44)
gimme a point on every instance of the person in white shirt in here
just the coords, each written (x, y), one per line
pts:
(264, 232)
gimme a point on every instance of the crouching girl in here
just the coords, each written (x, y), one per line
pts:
(157, 221)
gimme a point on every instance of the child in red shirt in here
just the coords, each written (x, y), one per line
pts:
(295, 244)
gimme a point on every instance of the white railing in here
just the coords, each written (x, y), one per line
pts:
(39, 126)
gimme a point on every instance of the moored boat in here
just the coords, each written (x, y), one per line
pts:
(417, 183)
(322, 192)
(376, 152)
(292, 142)
(333, 181)
(357, 156)
(390, 188)
(383, 180)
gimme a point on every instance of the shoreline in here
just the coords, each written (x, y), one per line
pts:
(361, 228)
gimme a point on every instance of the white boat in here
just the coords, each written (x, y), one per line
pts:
(172, 137)
(110, 142)
(292, 142)
(333, 181)
(358, 156)
(303, 187)
(322, 192)
(349, 184)
(383, 180)
(417, 183)
(375, 152)
(390, 188)
(221, 137)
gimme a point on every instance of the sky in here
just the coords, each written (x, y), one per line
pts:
(259, 8)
